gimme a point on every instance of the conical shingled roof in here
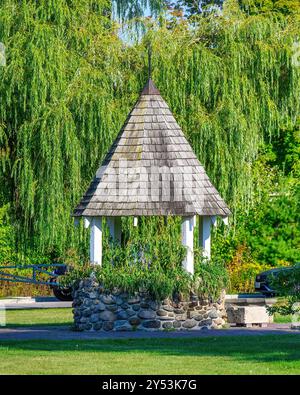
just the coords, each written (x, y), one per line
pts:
(151, 169)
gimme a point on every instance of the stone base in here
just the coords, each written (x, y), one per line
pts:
(248, 315)
(96, 310)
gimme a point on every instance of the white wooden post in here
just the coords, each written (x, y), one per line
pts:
(187, 236)
(96, 240)
(115, 231)
(204, 235)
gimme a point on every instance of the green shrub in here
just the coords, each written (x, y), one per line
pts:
(210, 277)
(6, 237)
(287, 285)
(132, 268)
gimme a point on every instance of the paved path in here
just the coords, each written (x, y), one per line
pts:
(34, 303)
(50, 302)
(64, 333)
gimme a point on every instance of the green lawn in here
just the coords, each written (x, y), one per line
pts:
(41, 317)
(223, 355)
(268, 354)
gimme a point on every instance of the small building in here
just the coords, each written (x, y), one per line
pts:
(151, 170)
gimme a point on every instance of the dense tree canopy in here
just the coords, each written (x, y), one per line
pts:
(69, 82)
(285, 7)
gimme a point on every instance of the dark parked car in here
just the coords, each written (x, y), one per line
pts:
(264, 279)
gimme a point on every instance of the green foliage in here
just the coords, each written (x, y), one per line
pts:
(150, 260)
(285, 7)
(242, 269)
(6, 236)
(68, 85)
(190, 8)
(287, 284)
(131, 9)
(270, 229)
(210, 278)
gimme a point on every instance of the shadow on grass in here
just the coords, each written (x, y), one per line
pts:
(39, 326)
(270, 348)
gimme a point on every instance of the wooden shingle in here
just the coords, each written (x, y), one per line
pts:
(151, 169)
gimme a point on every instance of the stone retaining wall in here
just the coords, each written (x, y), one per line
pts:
(95, 310)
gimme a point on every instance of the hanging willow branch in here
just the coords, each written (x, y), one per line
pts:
(69, 83)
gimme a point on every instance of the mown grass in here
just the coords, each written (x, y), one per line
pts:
(41, 317)
(274, 354)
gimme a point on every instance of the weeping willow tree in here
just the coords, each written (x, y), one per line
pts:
(232, 85)
(69, 82)
(126, 10)
(62, 102)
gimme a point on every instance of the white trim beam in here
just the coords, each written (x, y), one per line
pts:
(187, 237)
(96, 240)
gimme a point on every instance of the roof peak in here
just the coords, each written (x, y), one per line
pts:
(150, 88)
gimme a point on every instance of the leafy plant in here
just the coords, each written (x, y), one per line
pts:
(210, 278)
(287, 285)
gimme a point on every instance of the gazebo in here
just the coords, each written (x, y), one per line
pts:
(151, 170)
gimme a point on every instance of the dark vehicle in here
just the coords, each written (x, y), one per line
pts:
(263, 280)
(64, 294)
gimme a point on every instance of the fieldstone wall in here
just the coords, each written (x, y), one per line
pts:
(96, 310)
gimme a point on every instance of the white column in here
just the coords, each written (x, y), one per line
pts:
(187, 236)
(204, 235)
(115, 231)
(96, 240)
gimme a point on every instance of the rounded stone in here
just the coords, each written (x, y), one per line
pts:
(112, 307)
(154, 305)
(130, 312)
(181, 317)
(155, 324)
(87, 312)
(120, 323)
(218, 321)
(213, 313)
(179, 311)
(94, 318)
(133, 300)
(119, 301)
(189, 324)
(124, 328)
(107, 299)
(206, 322)
(107, 316)
(108, 325)
(88, 326)
(198, 317)
(176, 324)
(116, 292)
(135, 321)
(87, 302)
(122, 315)
(167, 325)
(98, 326)
(99, 306)
(136, 307)
(167, 307)
(144, 305)
(147, 314)
(161, 313)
